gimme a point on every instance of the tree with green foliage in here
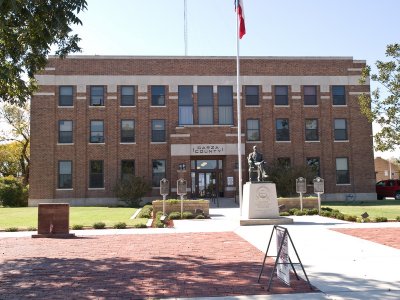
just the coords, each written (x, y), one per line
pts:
(12, 192)
(284, 176)
(132, 190)
(28, 29)
(384, 106)
(18, 120)
(10, 159)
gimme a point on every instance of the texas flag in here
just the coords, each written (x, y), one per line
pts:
(240, 11)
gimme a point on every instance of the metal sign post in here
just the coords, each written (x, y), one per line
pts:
(301, 188)
(319, 189)
(164, 191)
(181, 186)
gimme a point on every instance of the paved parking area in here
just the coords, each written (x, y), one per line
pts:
(135, 267)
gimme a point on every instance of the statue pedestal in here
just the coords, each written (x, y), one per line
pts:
(260, 205)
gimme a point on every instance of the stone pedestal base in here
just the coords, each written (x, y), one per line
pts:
(53, 221)
(260, 205)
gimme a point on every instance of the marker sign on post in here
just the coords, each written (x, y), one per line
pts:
(319, 189)
(164, 187)
(301, 187)
(181, 186)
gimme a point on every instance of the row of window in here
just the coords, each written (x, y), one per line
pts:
(158, 130)
(204, 97)
(96, 171)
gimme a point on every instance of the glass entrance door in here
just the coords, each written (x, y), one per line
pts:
(206, 186)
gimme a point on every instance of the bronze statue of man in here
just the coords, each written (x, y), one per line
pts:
(257, 166)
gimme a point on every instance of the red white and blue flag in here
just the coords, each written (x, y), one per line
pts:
(240, 11)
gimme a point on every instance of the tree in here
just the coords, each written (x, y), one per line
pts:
(384, 108)
(28, 28)
(18, 120)
(132, 190)
(9, 159)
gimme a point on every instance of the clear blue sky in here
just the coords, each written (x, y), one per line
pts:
(358, 28)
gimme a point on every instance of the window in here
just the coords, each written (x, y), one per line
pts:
(66, 96)
(127, 96)
(205, 103)
(96, 179)
(127, 170)
(312, 130)
(310, 95)
(225, 105)
(252, 94)
(281, 95)
(158, 130)
(65, 174)
(338, 95)
(97, 131)
(158, 171)
(127, 131)
(97, 95)
(342, 171)
(158, 95)
(340, 130)
(253, 130)
(65, 132)
(282, 130)
(284, 162)
(185, 100)
(313, 163)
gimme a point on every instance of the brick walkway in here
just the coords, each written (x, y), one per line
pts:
(135, 267)
(386, 236)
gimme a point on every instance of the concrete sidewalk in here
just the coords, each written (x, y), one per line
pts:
(339, 265)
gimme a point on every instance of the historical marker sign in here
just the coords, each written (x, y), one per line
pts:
(318, 185)
(301, 186)
(164, 187)
(181, 187)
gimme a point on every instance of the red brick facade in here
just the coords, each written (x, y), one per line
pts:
(81, 72)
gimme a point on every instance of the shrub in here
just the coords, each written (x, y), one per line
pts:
(145, 212)
(380, 219)
(132, 190)
(77, 227)
(350, 218)
(139, 225)
(99, 225)
(284, 214)
(312, 212)
(174, 215)
(200, 217)
(326, 208)
(187, 215)
(157, 221)
(326, 213)
(31, 228)
(299, 213)
(398, 218)
(292, 211)
(11, 229)
(340, 216)
(120, 225)
(12, 192)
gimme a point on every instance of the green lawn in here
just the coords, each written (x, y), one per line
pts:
(24, 217)
(381, 208)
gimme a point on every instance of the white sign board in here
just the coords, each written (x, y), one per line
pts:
(230, 181)
(208, 149)
(301, 186)
(283, 270)
(181, 187)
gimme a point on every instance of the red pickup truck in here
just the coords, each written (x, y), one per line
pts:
(388, 188)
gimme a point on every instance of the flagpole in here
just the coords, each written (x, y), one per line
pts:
(239, 115)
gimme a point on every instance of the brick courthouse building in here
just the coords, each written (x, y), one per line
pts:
(96, 119)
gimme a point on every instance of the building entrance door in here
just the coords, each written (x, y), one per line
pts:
(206, 178)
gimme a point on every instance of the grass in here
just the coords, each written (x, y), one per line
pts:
(24, 217)
(381, 208)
